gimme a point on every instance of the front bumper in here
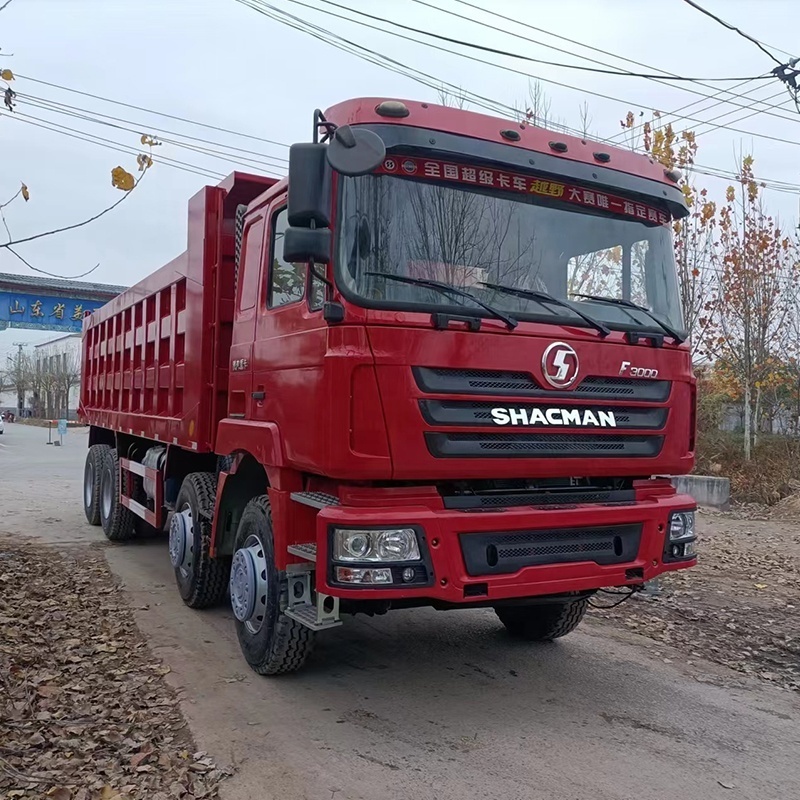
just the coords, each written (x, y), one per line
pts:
(453, 580)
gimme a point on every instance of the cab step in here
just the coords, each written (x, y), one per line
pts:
(315, 616)
(307, 551)
(315, 499)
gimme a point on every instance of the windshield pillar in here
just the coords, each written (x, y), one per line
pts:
(626, 272)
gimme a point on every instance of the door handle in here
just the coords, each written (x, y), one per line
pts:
(258, 395)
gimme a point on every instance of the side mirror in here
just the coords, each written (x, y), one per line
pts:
(302, 245)
(309, 186)
(355, 151)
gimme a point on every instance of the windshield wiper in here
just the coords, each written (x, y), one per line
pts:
(445, 288)
(544, 297)
(615, 301)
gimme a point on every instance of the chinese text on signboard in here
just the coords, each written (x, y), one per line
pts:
(41, 311)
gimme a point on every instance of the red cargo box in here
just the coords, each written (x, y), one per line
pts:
(156, 358)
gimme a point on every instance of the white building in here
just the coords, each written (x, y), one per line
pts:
(52, 378)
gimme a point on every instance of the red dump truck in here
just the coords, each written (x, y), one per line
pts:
(442, 364)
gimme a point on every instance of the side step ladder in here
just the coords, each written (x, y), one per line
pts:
(319, 613)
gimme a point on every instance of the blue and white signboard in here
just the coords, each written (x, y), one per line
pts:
(45, 312)
(62, 427)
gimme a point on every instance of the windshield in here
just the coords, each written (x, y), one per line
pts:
(491, 227)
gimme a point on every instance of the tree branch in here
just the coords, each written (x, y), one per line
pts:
(5, 5)
(77, 224)
(51, 274)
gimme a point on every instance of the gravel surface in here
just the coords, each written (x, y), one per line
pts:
(739, 607)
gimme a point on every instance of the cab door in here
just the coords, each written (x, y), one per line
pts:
(251, 257)
(289, 350)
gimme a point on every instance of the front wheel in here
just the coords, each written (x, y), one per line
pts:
(271, 642)
(543, 622)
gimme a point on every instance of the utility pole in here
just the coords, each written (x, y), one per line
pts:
(19, 377)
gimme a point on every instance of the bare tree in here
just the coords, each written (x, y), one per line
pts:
(453, 99)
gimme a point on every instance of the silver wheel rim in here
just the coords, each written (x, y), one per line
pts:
(249, 584)
(88, 484)
(181, 541)
(108, 496)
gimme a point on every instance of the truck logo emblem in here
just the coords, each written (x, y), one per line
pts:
(560, 365)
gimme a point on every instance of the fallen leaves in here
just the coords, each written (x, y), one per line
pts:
(737, 607)
(85, 713)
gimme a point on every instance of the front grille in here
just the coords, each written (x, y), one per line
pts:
(541, 445)
(434, 380)
(502, 553)
(541, 498)
(466, 413)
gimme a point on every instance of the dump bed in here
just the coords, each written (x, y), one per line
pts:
(156, 358)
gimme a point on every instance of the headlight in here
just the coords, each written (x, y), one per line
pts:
(681, 525)
(393, 544)
(681, 537)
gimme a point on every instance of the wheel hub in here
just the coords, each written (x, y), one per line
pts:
(248, 584)
(107, 497)
(88, 484)
(181, 532)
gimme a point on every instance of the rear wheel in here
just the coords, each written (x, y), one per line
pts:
(543, 622)
(271, 642)
(202, 580)
(92, 473)
(118, 521)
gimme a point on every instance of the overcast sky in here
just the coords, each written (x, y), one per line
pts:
(220, 63)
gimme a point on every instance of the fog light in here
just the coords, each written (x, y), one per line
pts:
(409, 573)
(392, 544)
(363, 576)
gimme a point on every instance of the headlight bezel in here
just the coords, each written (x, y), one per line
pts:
(377, 543)
(422, 566)
(681, 547)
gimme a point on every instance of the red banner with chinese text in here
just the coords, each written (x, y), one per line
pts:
(490, 178)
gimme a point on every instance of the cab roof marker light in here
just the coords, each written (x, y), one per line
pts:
(392, 108)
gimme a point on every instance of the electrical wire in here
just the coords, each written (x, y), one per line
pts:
(624, 596)
(117, 146)
(380, 60)
(509, 54)
(151, 111)
(260, 6)
(230, 158)
(756, 42)
(520, 23)
(140, 127)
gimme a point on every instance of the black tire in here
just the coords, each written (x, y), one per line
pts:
(92, 474)
(543, 623)
(118, 522)
(203, 581)
(281, 644)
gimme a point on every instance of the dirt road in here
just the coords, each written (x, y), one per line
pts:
(438, 705)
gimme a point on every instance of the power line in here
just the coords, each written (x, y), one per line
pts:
(151, 111)
(236, 159)
(260, 5)
(730, 27)
(509, 54)
(54, 105)
(111, 145)
(520, 23)
(377, 59)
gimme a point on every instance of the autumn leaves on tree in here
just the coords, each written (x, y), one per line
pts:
(121, 179)
(738, 270)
